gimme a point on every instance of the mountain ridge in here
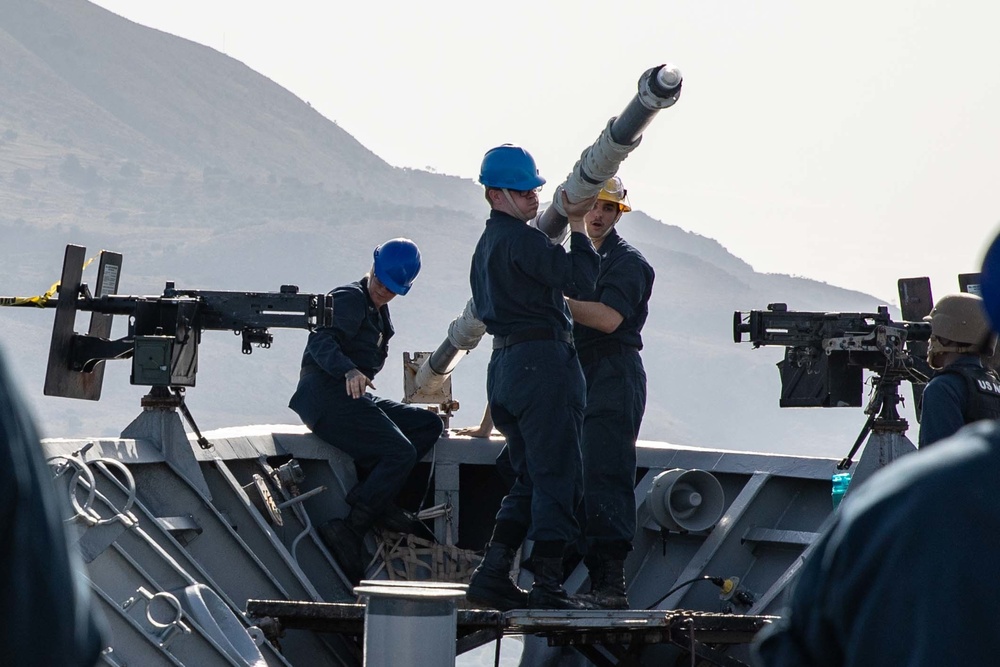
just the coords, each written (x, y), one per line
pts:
(206, 173)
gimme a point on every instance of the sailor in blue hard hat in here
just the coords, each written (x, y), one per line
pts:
(510, 172)
(384, 437)
(535, 387)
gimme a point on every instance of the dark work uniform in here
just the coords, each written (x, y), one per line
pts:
(901, 578)
(384, 437)
(535, 387)
(960, 394)
(49, 616)
(616, 397)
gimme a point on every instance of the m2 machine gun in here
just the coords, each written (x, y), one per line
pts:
(826, 355)
(163, 331)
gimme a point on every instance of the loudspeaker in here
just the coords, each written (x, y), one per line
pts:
(686, 500)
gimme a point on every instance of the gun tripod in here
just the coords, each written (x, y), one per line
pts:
(887, 441)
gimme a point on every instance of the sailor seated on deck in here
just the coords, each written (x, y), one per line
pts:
(384, 437)
(902, 575)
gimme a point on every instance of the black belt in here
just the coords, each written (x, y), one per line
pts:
(536, 333)
(603, 348)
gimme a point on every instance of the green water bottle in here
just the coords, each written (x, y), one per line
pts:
(841, 481)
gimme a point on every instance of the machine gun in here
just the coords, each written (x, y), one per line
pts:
(163, 331)
(826, 354)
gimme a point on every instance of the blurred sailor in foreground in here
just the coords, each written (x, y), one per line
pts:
(48, 614)
(901, 576)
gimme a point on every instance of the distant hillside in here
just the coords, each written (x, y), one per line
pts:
(201, 171)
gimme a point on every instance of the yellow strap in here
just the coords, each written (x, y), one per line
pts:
(42, 300)
(39, 301)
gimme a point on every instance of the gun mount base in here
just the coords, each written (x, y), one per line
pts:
(887, 440)
(161, 398)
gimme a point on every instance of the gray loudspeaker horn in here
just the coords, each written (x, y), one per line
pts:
(686, 500)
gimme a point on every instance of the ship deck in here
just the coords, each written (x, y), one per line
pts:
(604, 637)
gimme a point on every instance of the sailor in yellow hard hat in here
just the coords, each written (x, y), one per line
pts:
(612, 201)
(607, 334)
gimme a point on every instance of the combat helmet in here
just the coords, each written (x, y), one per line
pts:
(959, 318)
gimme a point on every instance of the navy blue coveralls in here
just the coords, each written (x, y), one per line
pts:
(902, 576)
(50, 617)
(616, 397)
(535, 388)
(960, 394)
(384, 437)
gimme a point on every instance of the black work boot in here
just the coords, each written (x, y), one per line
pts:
(345, 538)
(607, 583)
(491, 585)
(548, 591)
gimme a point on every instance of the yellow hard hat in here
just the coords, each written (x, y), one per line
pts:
(614, 191)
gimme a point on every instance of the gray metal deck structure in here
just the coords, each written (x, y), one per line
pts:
(178, 539)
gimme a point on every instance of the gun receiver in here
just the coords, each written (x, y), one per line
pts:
(826, 352)
(163, 332)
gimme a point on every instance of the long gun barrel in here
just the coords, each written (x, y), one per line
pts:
(659, 88)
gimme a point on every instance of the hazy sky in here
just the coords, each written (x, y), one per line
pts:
(851, 142)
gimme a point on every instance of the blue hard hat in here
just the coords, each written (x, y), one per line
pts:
(990, 284)
(397, 263)
(511, 167)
